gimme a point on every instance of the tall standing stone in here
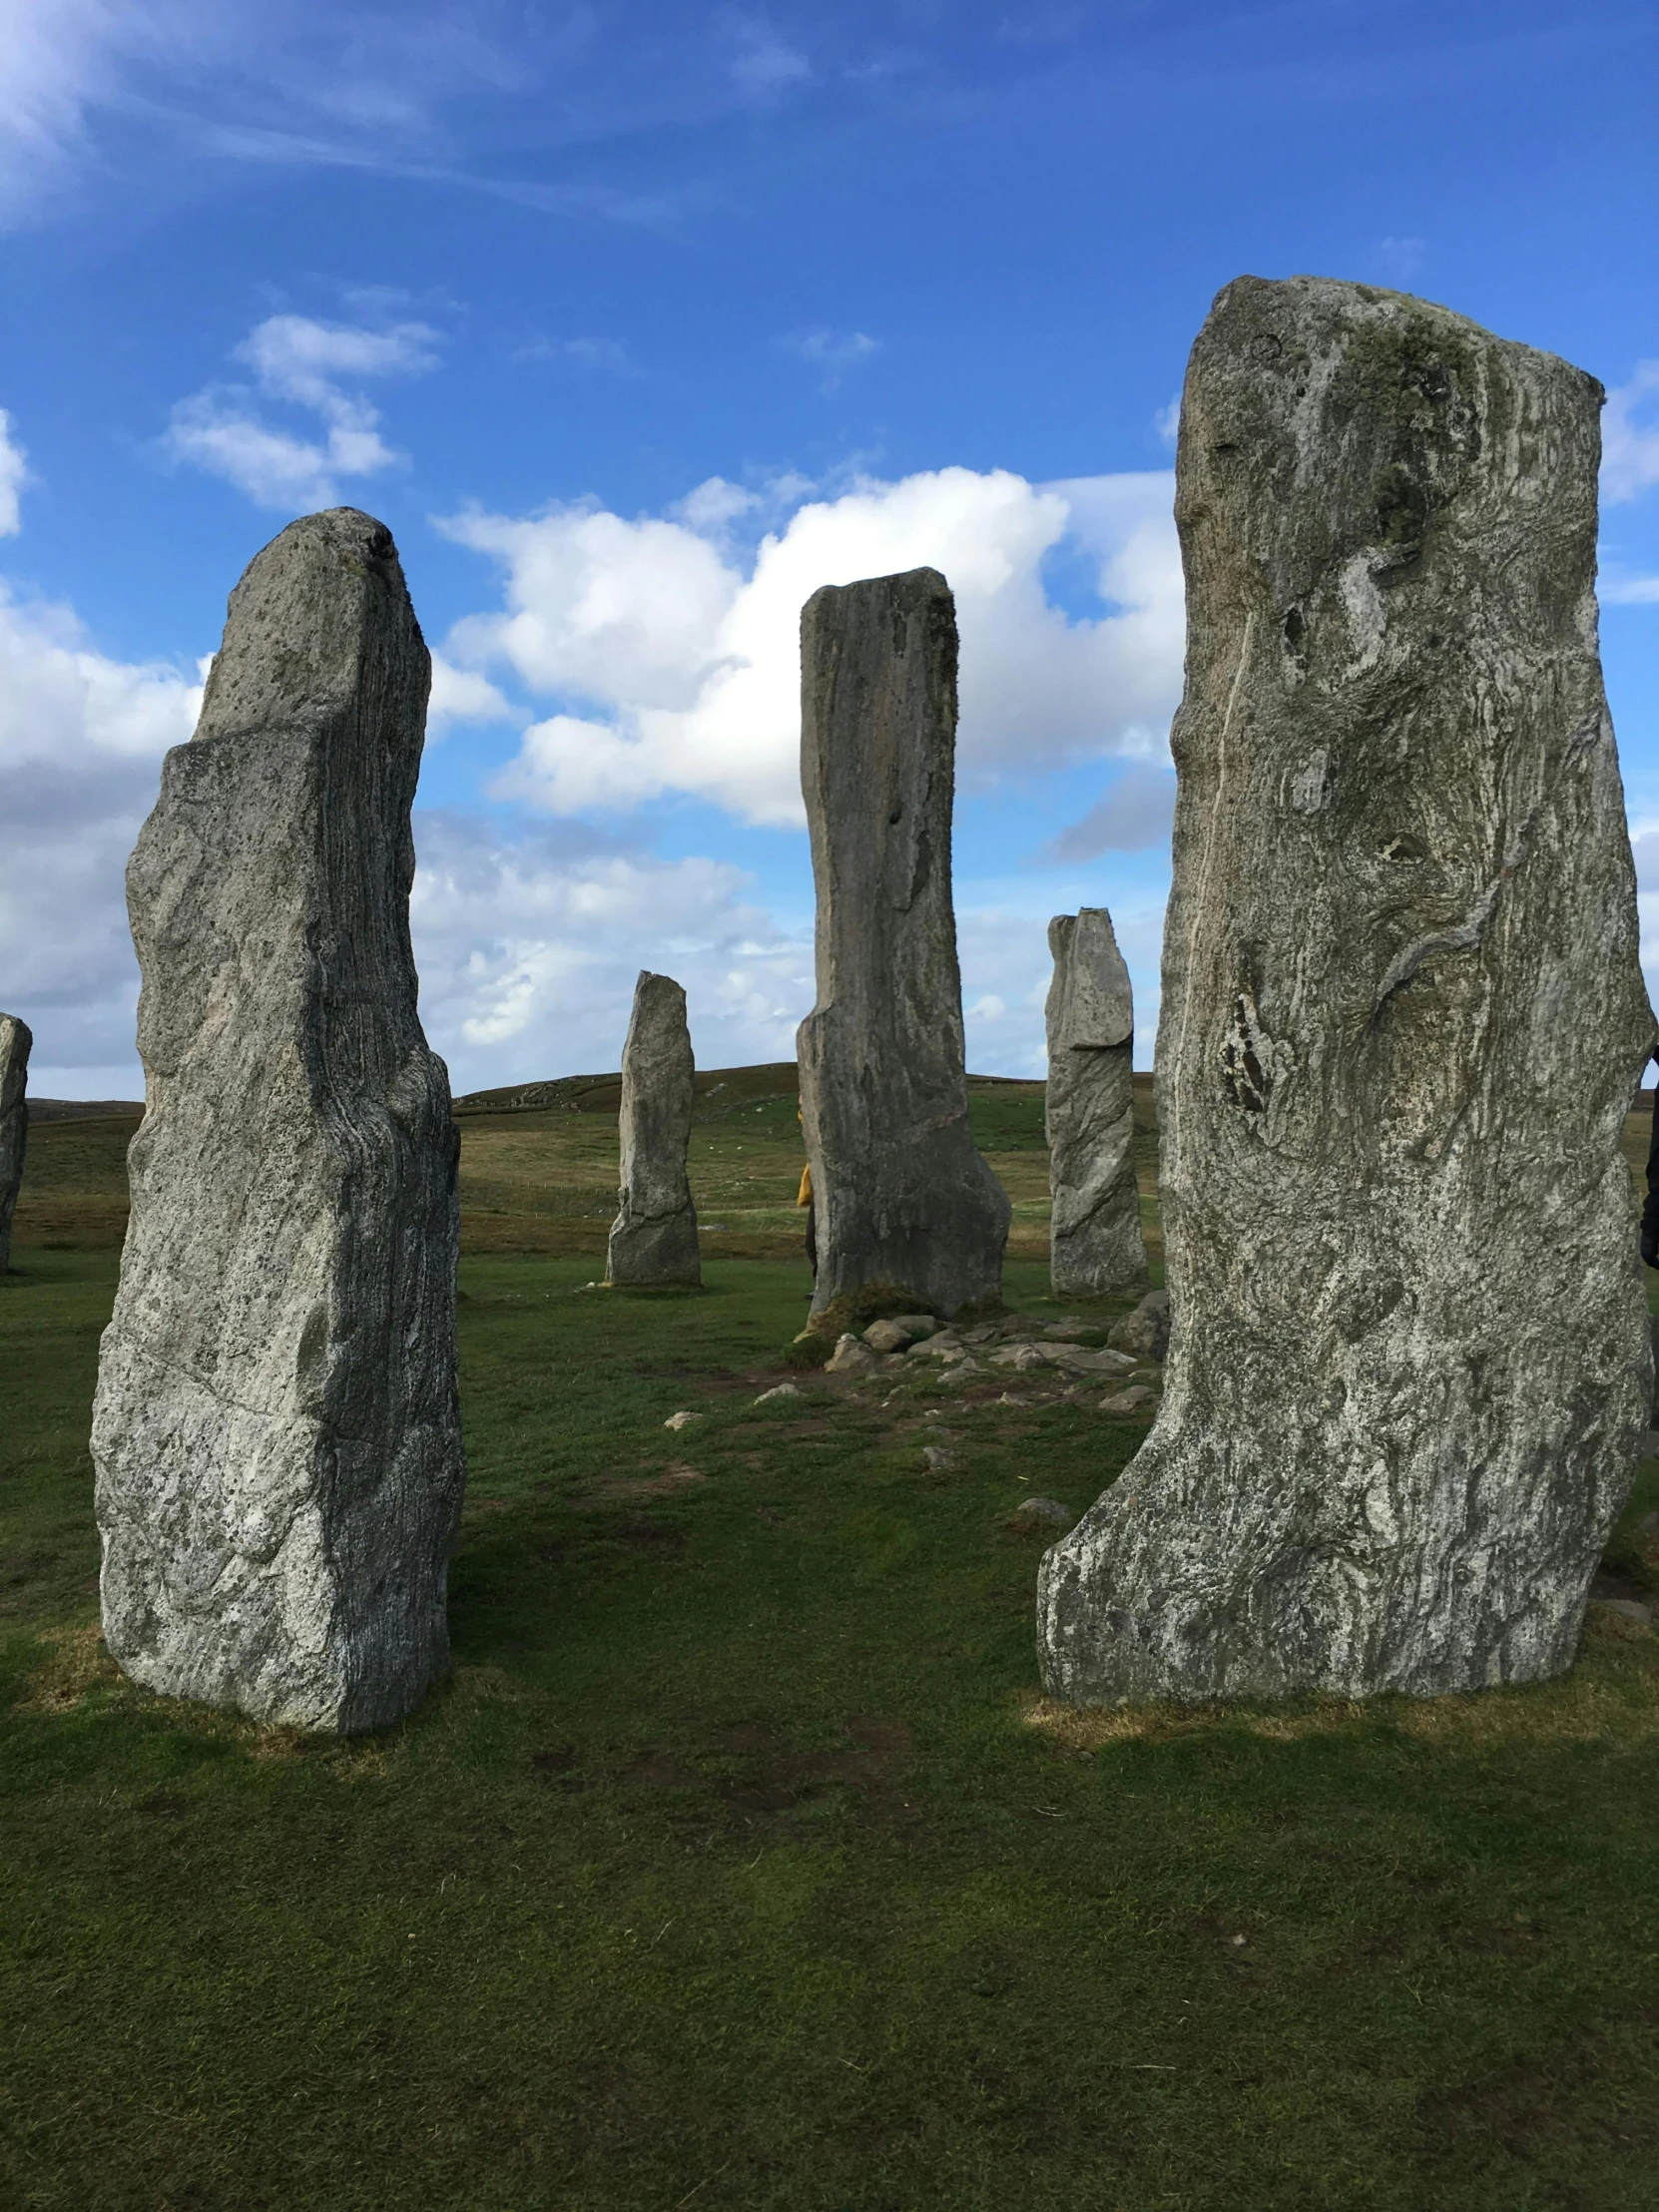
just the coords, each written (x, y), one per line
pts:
(277, 1431)
(15, 1041)
(1095, 1242)
(1402, 1021)
(654, 1236)
(902, 1197)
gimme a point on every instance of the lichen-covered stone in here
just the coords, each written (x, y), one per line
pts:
(277, 1431)
(1401, 1020)
(15, 1041)
(654, 1236)
(1095, 1242)
(902, 1196)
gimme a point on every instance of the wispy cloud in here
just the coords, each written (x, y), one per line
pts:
(764, 65)
(14, 474)
(1630, 436)
(1135, 813)
(302, 363)
(835, 354)
(1401, 259)
(607, 357)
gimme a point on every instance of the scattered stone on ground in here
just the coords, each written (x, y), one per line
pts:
(917, 1324)
(960, 1371)
(1145, 1332)
(940, 1460)
(888, 1335)
(15, 1040)
(942, 1347)
(654, 1237)
(1047, 1509)
(681, 1419)
(903, 1194)
(783, 1389)
(1128, 1401)
(850, 1357)
(1075, 1361)
(1095, 1242)
(1396, 1219)
(1022, 1357)
(276, 1428)
(1008, 1399)
(1071, 1328)
(1627, 1608)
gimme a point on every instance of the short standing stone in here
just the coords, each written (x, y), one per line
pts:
(277, 1431)
(15, 1041)
(654, 1236)
(1145, 1332)
(902, 1197)
(1401, 1020)
(1095, 1242)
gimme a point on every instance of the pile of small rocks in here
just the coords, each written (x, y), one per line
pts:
(903, 1341)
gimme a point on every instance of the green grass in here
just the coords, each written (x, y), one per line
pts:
(731, 1871)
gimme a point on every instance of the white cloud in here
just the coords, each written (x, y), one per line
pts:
(1629, 447)
(529, 947)
(80, 738)
(461, 695)
(299, 361)
(671, 666)
(14, 475)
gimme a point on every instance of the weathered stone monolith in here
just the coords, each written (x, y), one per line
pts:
(902, 1196)
(15, 1040)
(277, 1429)
(1401, 1020)
(654, 1236)
(1095, 1242)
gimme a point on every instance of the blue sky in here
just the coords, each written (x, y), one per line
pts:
(636, 325)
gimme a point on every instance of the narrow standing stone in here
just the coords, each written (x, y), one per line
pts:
(277, 1431)
(902, 1197)
(15, 1041)
(654, 1236)
(1401, 1020)
(1095, 1242)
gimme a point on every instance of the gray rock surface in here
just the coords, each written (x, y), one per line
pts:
(654, 1236)
(277, 1431)
(1145, 1332)
(850, 1357)
(1402, 1021)
(15, 1041)
(902, 1196)
(1095, 1242)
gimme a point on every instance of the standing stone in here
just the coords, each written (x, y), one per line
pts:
(1401, 1020)
(902, 1197)
(654, 1236)
(277, 1431)
(15, 1041)
(1095, 1242)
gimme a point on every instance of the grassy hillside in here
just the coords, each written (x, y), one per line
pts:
(740, 1865)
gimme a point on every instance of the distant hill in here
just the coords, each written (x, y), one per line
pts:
(717, 1089)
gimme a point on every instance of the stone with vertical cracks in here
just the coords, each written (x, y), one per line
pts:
(1402, 1021)
(902, 1196)
(1095, 1242)
(15, 1041)
(277, 1429)
(654, 1236)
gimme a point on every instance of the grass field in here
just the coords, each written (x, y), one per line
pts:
(739, 1864)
